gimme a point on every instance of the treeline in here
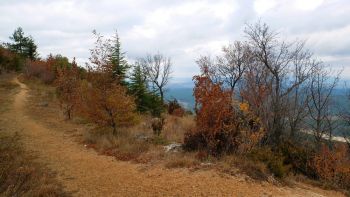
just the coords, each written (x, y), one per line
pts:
(262, 98)
(108, 90)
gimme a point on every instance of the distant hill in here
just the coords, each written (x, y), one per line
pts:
(183, 94)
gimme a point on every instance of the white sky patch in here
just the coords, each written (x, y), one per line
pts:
(308, 5)
(212, 48)
(262, 6)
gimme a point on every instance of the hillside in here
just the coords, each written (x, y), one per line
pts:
(83, 172)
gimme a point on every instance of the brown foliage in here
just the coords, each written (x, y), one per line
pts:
(179, 112)
(222, 125)
(67, 83)
(107, 105)
(333, 166)
(103, 100)
(41, 70)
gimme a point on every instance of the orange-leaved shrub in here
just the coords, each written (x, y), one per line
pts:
(106, 103)
(222, 124)
(333, 165)
(67, 83)
(39, 69)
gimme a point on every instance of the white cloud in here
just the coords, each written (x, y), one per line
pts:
(262, 6)
(308, 4)
(180, 29)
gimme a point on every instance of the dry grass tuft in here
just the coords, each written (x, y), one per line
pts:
(175, 127)
(20, 175)
(234, 164)
(123, 146)
(181, 161)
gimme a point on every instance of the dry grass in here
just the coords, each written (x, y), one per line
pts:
(182, 160)
(235, 164)
(175, 127)
(7, 89)
(20, 175)
(123, 146)
(137, 143)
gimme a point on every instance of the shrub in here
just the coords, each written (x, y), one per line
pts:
(67, 84)
(174, 108)
(41, 70)
(107, 104)
(222, 124)
(333, 166)
(10, 61)
(297, 155)
(273, 160)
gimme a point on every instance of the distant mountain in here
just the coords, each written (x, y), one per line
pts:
(183, 94)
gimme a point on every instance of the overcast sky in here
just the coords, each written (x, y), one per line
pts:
(181, 29)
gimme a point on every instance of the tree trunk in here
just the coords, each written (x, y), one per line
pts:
(161, 95)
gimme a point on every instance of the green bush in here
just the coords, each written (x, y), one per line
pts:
(273, 160)
(298, 157)
(10, 61)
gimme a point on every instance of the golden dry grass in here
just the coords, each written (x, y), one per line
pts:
(20, 174)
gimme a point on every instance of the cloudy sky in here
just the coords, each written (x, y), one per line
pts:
(181, 29)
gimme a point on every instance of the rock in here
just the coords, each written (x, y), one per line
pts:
(173, 147)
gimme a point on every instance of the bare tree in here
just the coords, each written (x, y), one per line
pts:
(232, 65)
(319, 106)
(208, 65)
(299, 97)
(344, 115)
(228, 68)
(278, 58)
(157, 69)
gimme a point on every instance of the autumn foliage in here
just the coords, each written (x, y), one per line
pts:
(68, 82)
(107, 105)
(333, 166)
(222, 124)
(39, 69)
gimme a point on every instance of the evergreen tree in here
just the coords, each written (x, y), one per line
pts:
(118, 60)
(146, 101)
(23, 45)
(138, 88)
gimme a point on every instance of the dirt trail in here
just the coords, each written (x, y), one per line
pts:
(85, 173)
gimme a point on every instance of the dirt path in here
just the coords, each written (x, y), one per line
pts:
(85, 173)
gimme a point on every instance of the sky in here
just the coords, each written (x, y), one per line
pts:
(180, 29)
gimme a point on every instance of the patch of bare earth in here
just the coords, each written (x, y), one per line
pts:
(85, 173)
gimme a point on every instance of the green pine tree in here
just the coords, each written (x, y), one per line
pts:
(120, 65)
(146, 101)
(23, 45)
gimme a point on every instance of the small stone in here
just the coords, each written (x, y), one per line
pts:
(173, 147)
